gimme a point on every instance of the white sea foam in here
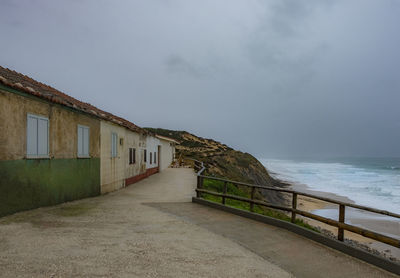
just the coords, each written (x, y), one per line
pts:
(375, 187)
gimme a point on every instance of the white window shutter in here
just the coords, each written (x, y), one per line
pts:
(114, 139)
(115, 145)
(37, 136)
(112, 144)
(32, 136)
(83, 141)
(43, 137)
(80, 141)
(85, 148)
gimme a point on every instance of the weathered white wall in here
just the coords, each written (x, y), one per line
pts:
(167, 154)
(114, 171)
(138, 142)
(152, 146)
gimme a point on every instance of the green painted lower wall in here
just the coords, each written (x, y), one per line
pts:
(28, 184)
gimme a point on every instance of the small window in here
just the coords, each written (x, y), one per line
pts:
(114, 140)
(132, 156)
(145, 155)
(151, 160)
(37, 137)
(155, 159)
(83, 141)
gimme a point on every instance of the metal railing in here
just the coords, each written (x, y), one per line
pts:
(340, 223)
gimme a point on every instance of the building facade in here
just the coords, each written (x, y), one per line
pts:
(166, 151)
(152, 145)
(41, 145)
(54, 148)
(122, 156)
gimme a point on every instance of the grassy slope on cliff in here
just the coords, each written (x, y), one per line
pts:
(223, 161)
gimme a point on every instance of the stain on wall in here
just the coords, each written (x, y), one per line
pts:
(28, 184)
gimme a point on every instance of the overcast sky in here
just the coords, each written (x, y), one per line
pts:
(273, 78)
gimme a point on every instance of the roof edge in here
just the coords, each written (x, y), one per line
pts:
(167, 139)
(52, 95)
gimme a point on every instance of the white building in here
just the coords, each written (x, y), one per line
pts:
(129, 154)
(121, 156)
(152, 149)
(166, 151)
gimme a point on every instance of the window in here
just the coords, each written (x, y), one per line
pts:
(37, 136)
(114, 140)
(155, 159)
(132, 156)
(151, 161)
(83, 141)
(145, 155)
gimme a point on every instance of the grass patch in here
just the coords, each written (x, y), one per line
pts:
(218, 186)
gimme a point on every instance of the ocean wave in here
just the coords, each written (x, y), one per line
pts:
(375, 187)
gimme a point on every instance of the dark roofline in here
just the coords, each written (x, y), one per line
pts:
(30, 86)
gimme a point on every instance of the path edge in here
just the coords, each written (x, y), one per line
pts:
(358, 253)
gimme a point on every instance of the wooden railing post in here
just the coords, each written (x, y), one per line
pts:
(253, 190)
(341, 220)
(225, 190)
(294, 206)
(199, 185)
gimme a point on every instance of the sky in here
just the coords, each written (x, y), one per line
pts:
(275, 78)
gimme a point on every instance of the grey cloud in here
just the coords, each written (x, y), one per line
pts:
(177, 64)
(278, 40)
(284, 17)
(274, 78)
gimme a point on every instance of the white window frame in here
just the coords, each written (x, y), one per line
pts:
(114, 145)
(37, 138)
(83, 155)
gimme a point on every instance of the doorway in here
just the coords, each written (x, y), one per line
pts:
(159, 157)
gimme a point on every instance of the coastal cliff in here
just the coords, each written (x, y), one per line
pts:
(223, 161)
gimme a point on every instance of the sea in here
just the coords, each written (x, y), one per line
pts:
(373, 182)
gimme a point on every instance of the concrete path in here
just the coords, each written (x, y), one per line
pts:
(151, 229)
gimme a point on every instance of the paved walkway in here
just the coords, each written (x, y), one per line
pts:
(151, 229)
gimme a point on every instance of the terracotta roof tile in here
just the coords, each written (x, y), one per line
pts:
(30, 86)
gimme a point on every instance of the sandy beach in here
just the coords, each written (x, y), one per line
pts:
(384, 225)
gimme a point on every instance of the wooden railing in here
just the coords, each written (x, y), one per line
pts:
(199, 168)
(340, 223)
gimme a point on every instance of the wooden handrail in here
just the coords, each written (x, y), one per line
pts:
(199, 165)
(329, 200)
(340, 224)
(200, 168)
